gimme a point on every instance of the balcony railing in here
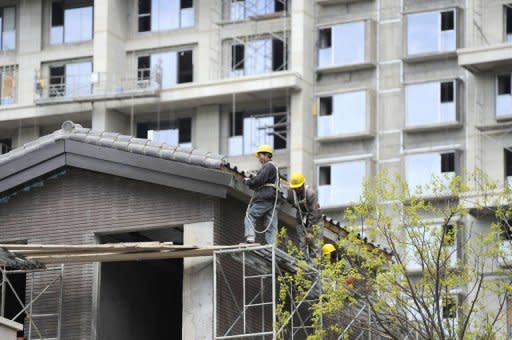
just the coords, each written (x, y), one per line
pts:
(95, 86)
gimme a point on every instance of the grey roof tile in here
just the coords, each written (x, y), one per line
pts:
(115, 140)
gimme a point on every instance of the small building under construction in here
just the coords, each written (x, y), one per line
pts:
(78, 186)
(134, 216)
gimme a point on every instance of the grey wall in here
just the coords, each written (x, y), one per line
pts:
(72, 208)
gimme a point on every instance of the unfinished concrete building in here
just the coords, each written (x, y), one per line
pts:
(340, 88)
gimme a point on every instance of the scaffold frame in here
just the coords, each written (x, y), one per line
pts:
(279, 263)
(31, 298)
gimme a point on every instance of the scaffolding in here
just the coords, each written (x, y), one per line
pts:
(250, 50)
(247, 286)
(247, 279)
(44, 284)
(251, 300)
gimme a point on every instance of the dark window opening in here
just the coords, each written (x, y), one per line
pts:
(447, 92)
(148, 294)
(57, 13)
(504, 84)
(508, 162)
(448, 162)
(185, 130)
(185, 67)
(184, 126)
(144, 23)
(143, 68)
(449, 307)
(324, 175)
(447, 21)
(144, 6)
(325, 106)
(186, 4)
(237, 57)
(5, 146)
(280, 131)
(12, 306)
(144, 15)
(278, 60)
(78, 3)
(280, 5)
(57, 77)
(325, 38)
(508, 15)
(236, 124)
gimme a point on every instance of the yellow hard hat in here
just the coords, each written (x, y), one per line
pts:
(327, 249)
(264, 148)
(297, 180)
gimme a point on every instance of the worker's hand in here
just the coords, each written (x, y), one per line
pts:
(309, 236)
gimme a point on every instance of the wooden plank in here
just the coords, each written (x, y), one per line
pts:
(130, 256)
(20, 248)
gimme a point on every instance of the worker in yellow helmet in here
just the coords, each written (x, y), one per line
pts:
(305, 201)
(329, 252)
(263, 204)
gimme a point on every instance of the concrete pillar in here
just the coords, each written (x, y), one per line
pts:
(25, 135)
(207, 127)
(207, 58)
(30, 14)
(109, 120)
(301, 135)
(110, 30)
(198, 284)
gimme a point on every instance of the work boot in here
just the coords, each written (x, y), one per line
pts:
(247, 242)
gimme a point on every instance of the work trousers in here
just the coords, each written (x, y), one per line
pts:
(261, 211)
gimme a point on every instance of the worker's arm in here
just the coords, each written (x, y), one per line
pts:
(315, 215)
(289, 197)
(265, 175)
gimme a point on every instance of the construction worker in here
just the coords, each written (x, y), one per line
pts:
(305, 201)
(329, 252)
(263, 204)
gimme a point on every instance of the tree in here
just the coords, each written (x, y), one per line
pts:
(444, 275)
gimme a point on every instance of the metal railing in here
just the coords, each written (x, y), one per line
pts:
(97, 86)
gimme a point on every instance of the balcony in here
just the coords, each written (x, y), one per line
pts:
(92, 87)
(221, 91)
(486, 58)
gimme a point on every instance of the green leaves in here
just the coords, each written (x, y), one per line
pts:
(447, 243)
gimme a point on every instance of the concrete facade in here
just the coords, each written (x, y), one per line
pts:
(384, 73)
(476, 135)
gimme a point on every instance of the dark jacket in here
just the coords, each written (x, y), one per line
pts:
(266, 175)
(307, 202)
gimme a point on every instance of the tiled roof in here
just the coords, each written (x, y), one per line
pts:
(76, 132)
(345, 231)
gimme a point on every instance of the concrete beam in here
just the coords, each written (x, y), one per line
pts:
(488, 58)
(218, 91)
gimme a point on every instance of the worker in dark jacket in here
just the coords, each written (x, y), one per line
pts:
(305, 201)
(263, 205)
